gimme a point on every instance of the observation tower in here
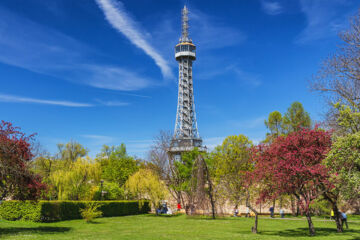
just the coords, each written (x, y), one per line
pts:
(186, 136)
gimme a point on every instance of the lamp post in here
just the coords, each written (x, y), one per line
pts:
(101, 189)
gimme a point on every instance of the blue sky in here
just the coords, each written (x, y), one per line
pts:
(103, 71)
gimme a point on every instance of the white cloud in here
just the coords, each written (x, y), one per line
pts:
(116, 78)
(17, 99)
(324, 19)
(119, 19)
(249, 123)
(210, 32)
(248, 78)
(39, 49)
(99, 139)
(271, 7)
(113, 103)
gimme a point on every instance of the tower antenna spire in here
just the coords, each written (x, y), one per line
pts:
(185, 25)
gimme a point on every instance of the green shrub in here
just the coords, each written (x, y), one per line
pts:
(20, 210)
(90, 212)
(49, 211)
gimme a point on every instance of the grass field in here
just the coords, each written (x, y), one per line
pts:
(175, 227)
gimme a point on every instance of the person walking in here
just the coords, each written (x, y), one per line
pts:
(282, 213)
(343, 219)
(332, 215)
(271, 210)
(178, 207)
(247, 212)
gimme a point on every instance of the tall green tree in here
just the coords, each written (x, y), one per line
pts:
(275, 125)
(71, 151)
(120, 166)
(296, 118)
(231, 162)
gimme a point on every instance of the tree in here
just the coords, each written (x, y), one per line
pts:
(71, 151)
(158, 156)
(293, 165)
(343, 160)
(275, 125)
(296, 118)
(120, 166)
(338, 79)
(231, 162)
(144, 184)
(16, 179)
(75, 182)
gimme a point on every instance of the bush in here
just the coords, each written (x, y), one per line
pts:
(49, 211)
(90, 212)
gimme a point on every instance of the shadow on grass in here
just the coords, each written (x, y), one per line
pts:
(164, 215)
(301, 232)
(35, 230)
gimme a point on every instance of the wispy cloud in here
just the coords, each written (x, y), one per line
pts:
(271, 7)
(245, 77)
(115, 78)
(249, 123)
(20, 99)
(29, 45)
(324, 19)
(17, 99)
(210, 32)
(113, 103)
(99, 139)
(248, 78)
(119, 19)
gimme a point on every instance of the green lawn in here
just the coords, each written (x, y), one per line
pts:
(176, 227)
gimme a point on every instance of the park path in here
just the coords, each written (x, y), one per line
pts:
(304, 219)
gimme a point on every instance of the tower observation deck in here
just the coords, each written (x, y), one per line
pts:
(186, 136)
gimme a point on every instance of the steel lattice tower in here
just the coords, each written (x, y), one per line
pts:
(186, 135)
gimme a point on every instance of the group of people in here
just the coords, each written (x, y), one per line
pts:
(164, 209)
(282, 212)
(236, 212)
(342, 216)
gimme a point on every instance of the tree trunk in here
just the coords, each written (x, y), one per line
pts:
(274, 202)
(210, 188)
(339, 227)
(292, 202)
(333, 198)
(311, 225)
(298, 207)
(254, 228)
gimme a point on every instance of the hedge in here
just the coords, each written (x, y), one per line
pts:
(49, 211)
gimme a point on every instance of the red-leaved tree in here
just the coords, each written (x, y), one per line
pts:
(292, 165)
(16, 179)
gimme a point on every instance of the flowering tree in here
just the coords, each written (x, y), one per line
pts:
(16, 179)
(292, 165)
